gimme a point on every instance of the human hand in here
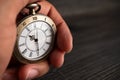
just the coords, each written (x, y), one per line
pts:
(9, 10)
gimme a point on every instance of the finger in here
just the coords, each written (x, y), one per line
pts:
(57, 58)
(31, 1)
(31, 71)
(10, 74)
(64, 37)
(14, 6)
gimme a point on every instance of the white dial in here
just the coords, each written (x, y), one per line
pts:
(35, 40)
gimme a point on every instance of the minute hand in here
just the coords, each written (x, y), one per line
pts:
(37, 43)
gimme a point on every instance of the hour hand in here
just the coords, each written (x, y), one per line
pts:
(32, 37)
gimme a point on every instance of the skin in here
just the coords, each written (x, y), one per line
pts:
(9, 11)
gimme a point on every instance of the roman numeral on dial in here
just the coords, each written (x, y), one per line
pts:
(22, 44)
(28, 29)
(30, 55)
(47, 42)
(24, 51)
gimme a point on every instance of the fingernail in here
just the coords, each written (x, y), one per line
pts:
(32, 74)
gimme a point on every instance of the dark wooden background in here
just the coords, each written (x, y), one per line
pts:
(95, 26)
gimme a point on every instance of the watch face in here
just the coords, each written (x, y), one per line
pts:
(35, 38)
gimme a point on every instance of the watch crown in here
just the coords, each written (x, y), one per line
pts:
(33, 8)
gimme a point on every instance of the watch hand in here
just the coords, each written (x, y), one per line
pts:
(32, 37)
(36, 41)
(37, 46)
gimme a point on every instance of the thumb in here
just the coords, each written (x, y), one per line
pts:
(8, 10)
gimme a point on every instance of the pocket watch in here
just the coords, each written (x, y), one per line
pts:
(35, 36)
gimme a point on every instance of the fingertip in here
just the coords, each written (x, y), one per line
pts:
(23, 72)
(31, 71)
(64, 38)
(57, 58)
